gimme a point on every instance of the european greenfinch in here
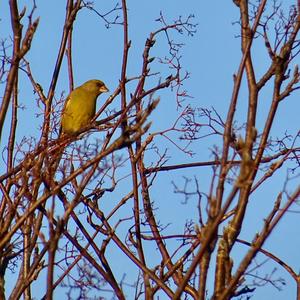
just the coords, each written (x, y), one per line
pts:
(80, 106)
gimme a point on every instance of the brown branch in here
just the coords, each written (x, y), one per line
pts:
(119, 143)
(126, 46)
(266, 159)
(70, 62)
(274, 217)
(71, 13)
(129, 254)
(13, 127)
(18, 52)
(226, 143)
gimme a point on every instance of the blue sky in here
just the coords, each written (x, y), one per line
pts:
(212, 57)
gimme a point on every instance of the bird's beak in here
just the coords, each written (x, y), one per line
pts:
(103, 89)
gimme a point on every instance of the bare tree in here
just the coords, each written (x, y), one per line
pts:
(64, 227)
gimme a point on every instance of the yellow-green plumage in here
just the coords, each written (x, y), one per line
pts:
(80, 106)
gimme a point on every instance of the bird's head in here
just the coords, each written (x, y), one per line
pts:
(95, 86)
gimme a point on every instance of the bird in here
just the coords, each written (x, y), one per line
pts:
(80, 106)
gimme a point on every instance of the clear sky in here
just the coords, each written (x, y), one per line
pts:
(211, 56)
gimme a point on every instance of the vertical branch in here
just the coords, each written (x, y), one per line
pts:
(134, 162)
(71, 13)
(137, 220)
(126, 46)
(69, 57)
(247, 36)
(124, 124)
(19, 50)
(17, 34)
(13, 126)
(26, 258)
(55, 230)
